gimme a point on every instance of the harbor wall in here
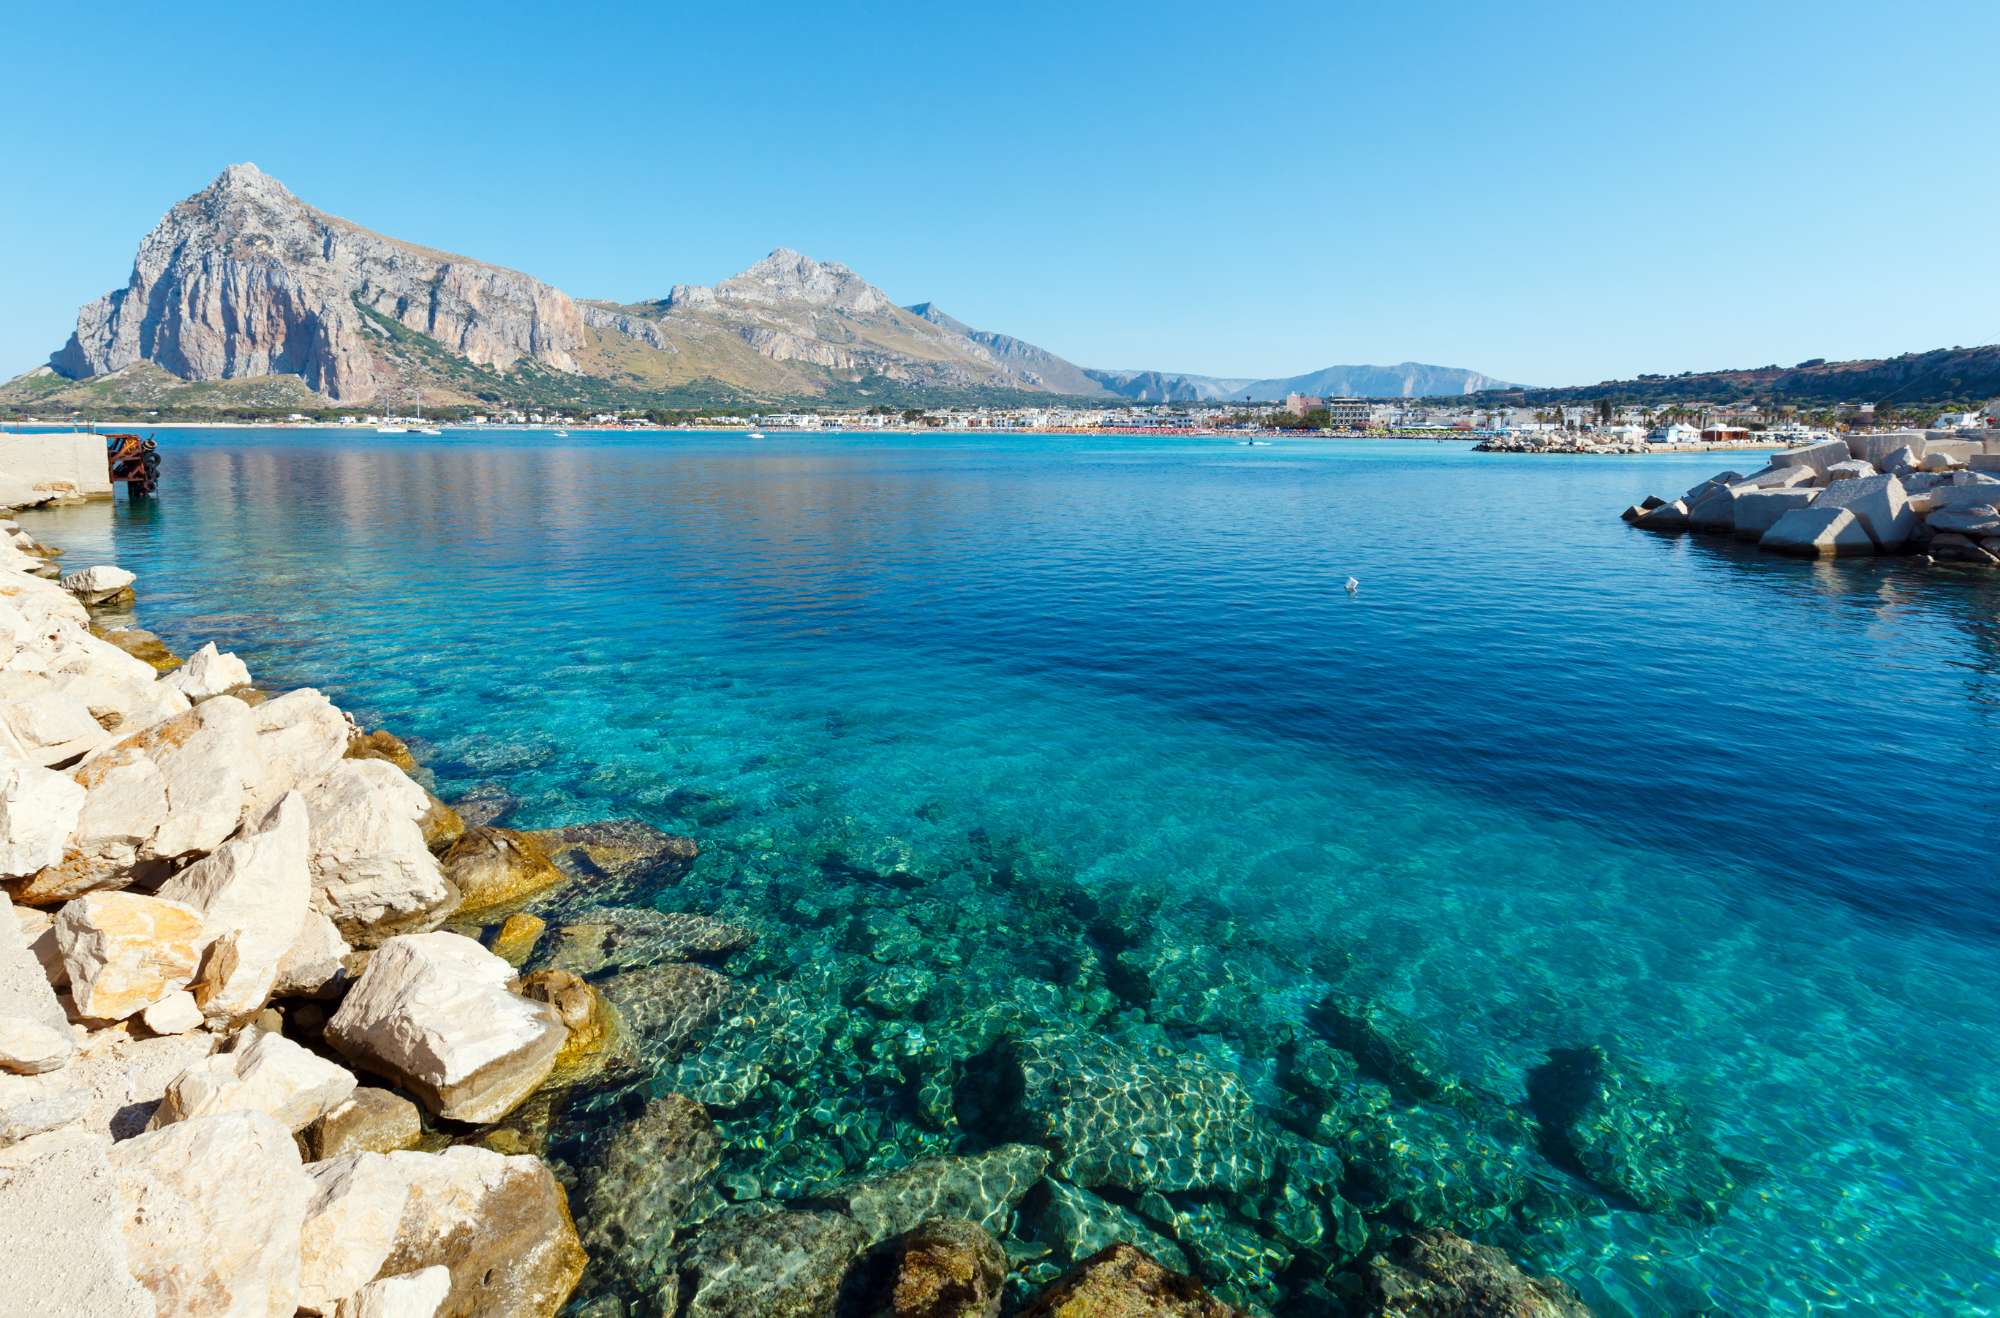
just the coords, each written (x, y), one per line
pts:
(34, 468)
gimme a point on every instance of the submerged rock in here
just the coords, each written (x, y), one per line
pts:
(1122, 1282)
(1631, 1136)
(1115, 1117)
(497, 868)
(592, 1025)
(1074, 1224)
(981, 1188)
(1434, 1274)
(762, 1263)
(611, 851)
(1431, 1166)
(514, 941)
(641, 1190)
(945, 1268)
(667, 1008)
(619, 938)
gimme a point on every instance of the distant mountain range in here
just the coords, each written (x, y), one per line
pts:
(245, 296)
(1403, 380)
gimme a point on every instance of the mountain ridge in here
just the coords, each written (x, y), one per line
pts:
(243, 280)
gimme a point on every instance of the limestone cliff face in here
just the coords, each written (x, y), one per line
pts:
(244, 279)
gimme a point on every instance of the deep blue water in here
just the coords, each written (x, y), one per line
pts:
(1545, 778)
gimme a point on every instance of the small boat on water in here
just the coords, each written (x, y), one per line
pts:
(755, 434)
(562, 434)
(427, 430)
(392, 430)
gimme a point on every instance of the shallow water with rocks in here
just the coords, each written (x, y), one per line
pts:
(1625, 902)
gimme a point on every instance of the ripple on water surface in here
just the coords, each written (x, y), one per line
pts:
(1082, 741)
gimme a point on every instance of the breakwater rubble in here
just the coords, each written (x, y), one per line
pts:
(281, 1031)
(1863, 494)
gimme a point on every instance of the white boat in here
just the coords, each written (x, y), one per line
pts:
(392, 430)
(562, 434)
(756, 434)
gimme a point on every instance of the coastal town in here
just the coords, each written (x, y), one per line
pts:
(1589, 429)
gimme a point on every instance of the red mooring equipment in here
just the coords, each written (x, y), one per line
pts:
(135, 461)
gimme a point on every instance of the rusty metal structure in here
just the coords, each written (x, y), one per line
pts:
(135, 461)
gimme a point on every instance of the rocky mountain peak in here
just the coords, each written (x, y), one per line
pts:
(244, 279)
(790, 277)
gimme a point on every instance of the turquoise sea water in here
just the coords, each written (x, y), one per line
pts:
(1542, 781)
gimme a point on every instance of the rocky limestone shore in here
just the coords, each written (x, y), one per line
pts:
(1864, 494)
(281, 1033)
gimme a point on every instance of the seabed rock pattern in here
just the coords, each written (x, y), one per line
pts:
(841, 1074)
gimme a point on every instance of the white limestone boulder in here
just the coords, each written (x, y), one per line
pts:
(500, 1224)
(25, 991)
(207, 772)
(432, 1013)
(315, 962)
(69, 1255)
(1852, 469)
(177, 1013)
(169, 792)
(30, 1047)
(208, 673)
(1879, 503)
(264, 1072)
(41, 723)
(253, 893)
(38, 930)
(301, 735)
(1940, 461)
(1817, 532)
(214, 1210)
(96, 585)
(1820, 457)
(419, 1294)
(118, 1078)
(1976, 521)
(1757, 511)
(29, 1110)
(357, 1206)
(38, 811)
(124, 951)
(372, 872)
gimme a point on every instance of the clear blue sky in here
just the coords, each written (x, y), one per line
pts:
(1555, 193)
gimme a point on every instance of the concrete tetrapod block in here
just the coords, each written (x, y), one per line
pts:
(1818, 533)
(1880, 503)
(1757, 511)
(1713, 509)
(1818, 456)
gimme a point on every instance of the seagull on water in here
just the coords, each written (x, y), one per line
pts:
(1352, 585)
